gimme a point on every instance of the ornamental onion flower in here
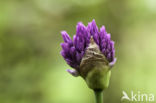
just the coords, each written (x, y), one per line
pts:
(91, 54)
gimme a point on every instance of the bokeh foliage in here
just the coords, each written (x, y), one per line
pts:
(32, 70)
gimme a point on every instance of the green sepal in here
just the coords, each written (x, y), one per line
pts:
(98, 79)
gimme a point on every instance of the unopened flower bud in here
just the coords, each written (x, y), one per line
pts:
(91, 54)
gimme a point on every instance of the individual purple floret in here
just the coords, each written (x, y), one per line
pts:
(73, 51)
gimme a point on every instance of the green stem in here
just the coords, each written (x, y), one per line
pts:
(98, 96)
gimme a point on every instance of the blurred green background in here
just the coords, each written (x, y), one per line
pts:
(32, 69)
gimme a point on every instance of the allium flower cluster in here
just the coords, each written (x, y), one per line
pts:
(74, 50)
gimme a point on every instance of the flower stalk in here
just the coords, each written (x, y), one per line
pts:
(98, 96)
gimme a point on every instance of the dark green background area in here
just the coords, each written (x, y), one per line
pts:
(32, 69)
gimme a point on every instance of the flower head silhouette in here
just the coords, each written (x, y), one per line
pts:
(90, 50)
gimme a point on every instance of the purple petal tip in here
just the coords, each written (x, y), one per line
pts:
(111, 64)
(73, 72)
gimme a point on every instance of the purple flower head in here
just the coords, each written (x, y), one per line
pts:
(74, 50)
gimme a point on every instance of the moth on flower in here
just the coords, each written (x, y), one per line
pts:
(91, 54)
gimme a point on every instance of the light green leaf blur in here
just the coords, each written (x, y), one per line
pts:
(32, 69)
